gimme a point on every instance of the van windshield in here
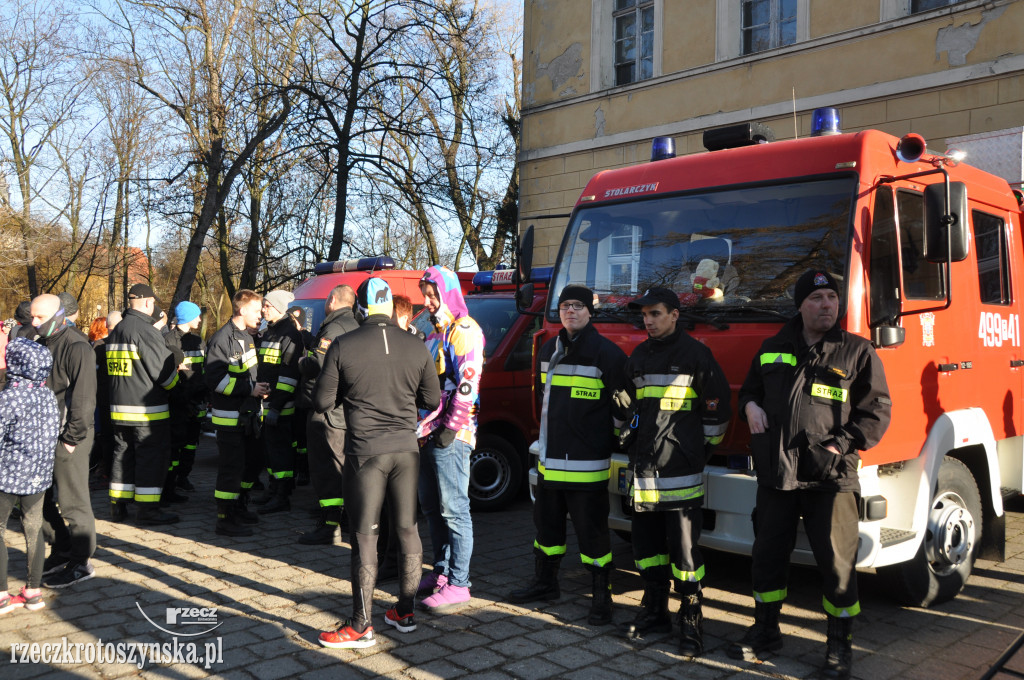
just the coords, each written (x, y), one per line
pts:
(734, 252)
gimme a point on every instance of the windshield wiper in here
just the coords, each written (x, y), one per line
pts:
(702, 315)
(757, 311)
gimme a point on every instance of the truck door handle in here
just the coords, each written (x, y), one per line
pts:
(1016, 363)
(948, 367)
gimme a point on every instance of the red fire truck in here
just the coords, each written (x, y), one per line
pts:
(929, 255)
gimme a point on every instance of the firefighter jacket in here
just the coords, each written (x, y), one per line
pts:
(140, 371)
(577, 427)
(681, 399)
(230, 376)
(380, 375)
(338, 322)
(457, 346)
(279, 353)
(190, 392)
(73, 381)
(832, 393)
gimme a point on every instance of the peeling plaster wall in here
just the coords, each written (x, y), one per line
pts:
(958, 41)
(561, 69)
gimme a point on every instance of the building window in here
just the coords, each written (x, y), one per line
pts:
(634, 40)
(767, 24)
(925, 5)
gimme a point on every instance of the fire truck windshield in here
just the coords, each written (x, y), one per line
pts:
(733, 251)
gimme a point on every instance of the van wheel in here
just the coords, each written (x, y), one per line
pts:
(940, 569)
(495, 473)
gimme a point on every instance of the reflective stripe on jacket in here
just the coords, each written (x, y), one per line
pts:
(231, 376)
(140, 370)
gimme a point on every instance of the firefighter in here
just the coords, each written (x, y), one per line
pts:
(279, 353)
(325, 432)
(141, 371)
(188, 398)
(235, 406)
(578, 372)
(681, 400)
(815, 396)
(298, 315)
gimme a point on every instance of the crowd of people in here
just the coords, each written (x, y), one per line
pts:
(383, 422)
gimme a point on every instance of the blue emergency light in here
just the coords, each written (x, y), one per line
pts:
(541, 274)
(825, 122)
(362, 264)
(663, 148)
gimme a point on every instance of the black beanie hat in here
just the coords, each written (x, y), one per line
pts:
(810, 281)
(581, 293)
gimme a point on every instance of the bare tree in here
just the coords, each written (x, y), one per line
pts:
(192, 57)
(41, 81)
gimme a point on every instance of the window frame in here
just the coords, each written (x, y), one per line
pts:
(774, 25)
(728, 30)
(602, 40)
(636, 11)
(1002, 259)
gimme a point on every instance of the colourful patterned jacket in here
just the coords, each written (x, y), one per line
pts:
(457, 346)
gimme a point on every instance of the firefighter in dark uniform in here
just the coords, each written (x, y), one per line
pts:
(681, 399)
(141, 371)
(815, 396)
(578, 372)
(280, 348)
(298, 315)
(235, 407)
(325, 432)
(188, 398)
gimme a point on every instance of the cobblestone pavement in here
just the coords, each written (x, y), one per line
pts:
(273, 596)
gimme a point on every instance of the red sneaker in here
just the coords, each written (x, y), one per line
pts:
(346, 637)
(404, 624)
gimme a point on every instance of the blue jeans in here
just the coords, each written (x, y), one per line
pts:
(444, 499)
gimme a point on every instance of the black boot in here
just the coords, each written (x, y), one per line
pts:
(240, 510)
(545, 582)
(269, 494)
(325, 531)
(118, 511)
(763, 636)
(601, 604)
(691, 626)
(839, 650)
(653, 618)
(280, 502)
(169, 495)
(151, 515)
(227, 525)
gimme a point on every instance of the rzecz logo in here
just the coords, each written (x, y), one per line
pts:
(180, 617)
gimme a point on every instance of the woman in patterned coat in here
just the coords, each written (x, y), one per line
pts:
(28, 438)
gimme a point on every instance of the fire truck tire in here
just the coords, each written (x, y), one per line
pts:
(495, 473)
(942, 565)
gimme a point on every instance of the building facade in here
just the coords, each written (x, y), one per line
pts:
(601, 78)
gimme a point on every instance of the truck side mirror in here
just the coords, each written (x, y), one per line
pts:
(524, 255)
(888, 336)
(524, 297)
(940, 219)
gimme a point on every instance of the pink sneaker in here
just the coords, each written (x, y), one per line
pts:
(446, 598)
(430, 584)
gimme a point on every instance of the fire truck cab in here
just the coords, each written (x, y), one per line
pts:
(928, 253)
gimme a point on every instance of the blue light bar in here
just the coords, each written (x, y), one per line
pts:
(483, 278)
(825, 122)
(541, 274)
(663, 148)
(362, 264)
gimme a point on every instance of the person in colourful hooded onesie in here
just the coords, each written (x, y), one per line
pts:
(447, 437)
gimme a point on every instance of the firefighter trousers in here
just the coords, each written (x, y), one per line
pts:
(239, 457)
(326, 450)
(185, 431)
(665, 544)
(588, 510)
(278, 440)
(139, 464)
(830, 521)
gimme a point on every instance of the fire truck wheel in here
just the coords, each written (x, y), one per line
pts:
(495, 473)
(940, 569)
